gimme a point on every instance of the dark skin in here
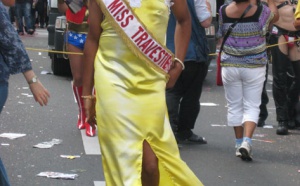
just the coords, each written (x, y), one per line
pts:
(150, 171)
(297, 24)
(297, 20)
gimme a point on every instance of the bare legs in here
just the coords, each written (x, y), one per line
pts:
(76, 63)
(246, 131)
(150, 172)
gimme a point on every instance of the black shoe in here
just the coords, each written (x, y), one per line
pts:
(30, 31)
(182, 137)
(197, 139)
(291, 125)
(282, 128)
(261, 122)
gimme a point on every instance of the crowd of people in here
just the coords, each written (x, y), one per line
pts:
(250, 52)
(132, 56)
(29, 15)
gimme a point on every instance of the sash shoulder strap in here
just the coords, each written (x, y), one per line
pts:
(130, 28)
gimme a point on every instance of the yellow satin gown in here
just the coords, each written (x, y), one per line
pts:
(131, 108)
(297, 13)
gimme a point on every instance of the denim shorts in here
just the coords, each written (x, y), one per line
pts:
(76, 39)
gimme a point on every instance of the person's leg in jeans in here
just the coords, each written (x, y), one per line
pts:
(19, 16)
(27, 17)
(3, 92)
(3, 175)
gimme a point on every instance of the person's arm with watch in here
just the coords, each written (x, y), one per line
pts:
(16, 58)
(40, 93)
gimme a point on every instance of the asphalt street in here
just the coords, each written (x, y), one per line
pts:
(276, 158)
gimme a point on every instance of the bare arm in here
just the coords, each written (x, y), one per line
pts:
(206, 23)
(40, 93)
(273, 9)
(91, 46)
(62, 6)
(8, 2)
(182, 38)
(90, 50)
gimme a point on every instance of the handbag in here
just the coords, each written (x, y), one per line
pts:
(218, 61)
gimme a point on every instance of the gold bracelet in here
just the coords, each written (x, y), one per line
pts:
(178, 60)
(89, 97)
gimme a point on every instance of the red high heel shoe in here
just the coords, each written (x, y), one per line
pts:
(90, 130)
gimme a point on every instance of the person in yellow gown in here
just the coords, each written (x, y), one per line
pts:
(136, 140)
(297, 17)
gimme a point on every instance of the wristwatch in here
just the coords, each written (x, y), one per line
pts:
(33, 80)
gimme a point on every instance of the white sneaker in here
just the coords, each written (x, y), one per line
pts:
(237, 151)
(245, 149)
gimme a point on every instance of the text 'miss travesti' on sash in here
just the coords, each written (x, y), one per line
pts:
(138, 35)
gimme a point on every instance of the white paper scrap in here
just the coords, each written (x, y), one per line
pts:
(268, 126)
(48, 144)
(58, 175)
(12, 135)
(217, 125)
(209, 104)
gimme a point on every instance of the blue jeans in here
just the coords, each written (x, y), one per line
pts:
(3, 93)
(3, 176)
(23, 9)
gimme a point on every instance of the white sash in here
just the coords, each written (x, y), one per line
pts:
(135, 34)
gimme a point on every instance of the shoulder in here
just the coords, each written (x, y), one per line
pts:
(222, 8)
(264, 11)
